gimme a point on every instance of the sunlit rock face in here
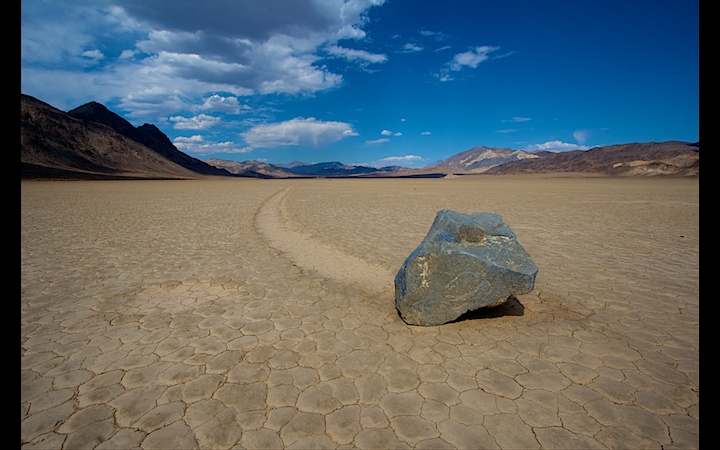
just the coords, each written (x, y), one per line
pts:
(466, 262)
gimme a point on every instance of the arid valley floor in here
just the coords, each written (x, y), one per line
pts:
(243, 313)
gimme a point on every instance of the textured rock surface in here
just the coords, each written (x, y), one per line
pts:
(466, 262)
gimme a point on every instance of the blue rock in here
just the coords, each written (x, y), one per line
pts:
(466, 262)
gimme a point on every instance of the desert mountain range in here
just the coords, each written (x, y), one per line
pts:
(92, 142)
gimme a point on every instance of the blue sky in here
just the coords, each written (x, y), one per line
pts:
(375, 82)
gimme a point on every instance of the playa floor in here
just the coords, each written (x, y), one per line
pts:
(241, 313)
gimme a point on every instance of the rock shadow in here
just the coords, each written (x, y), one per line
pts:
(511, 307)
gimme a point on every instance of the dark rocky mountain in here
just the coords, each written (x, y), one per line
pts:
(330, 169)
(147, 134)
(56, 144)
(671, 158)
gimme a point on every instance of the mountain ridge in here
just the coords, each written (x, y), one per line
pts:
(146, 134)
(54, 144)
(481, 158)
(669, 158)
(92, 142)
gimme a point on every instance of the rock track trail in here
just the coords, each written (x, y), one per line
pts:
(272, 221)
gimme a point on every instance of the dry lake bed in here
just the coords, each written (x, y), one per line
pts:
(242, 313)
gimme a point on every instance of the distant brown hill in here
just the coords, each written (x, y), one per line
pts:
(250, 168)
(91, 142)
(672, 158)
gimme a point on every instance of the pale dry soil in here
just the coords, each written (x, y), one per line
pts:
(260, 314)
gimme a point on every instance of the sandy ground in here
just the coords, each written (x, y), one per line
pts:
(260, 314)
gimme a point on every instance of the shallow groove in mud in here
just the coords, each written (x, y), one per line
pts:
(311, 253)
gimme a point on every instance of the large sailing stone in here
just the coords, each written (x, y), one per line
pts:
(466, 262)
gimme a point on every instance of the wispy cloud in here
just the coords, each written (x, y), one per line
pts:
(555, 146)
(357, 55)
(581, 136)
(469, 59)
(412, 48)
(400, 159)
(377, 141)
(404, 161)
(472, 57)
(298, 131)
(438, 35)
(516, 119)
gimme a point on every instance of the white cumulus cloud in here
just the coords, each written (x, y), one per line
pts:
(198, 146)
(127, 54)
(298, 131)
(94, 54)
(222, 104)
(184, 51)
(200, 122)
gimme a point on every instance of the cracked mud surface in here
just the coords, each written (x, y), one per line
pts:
(260, 314)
